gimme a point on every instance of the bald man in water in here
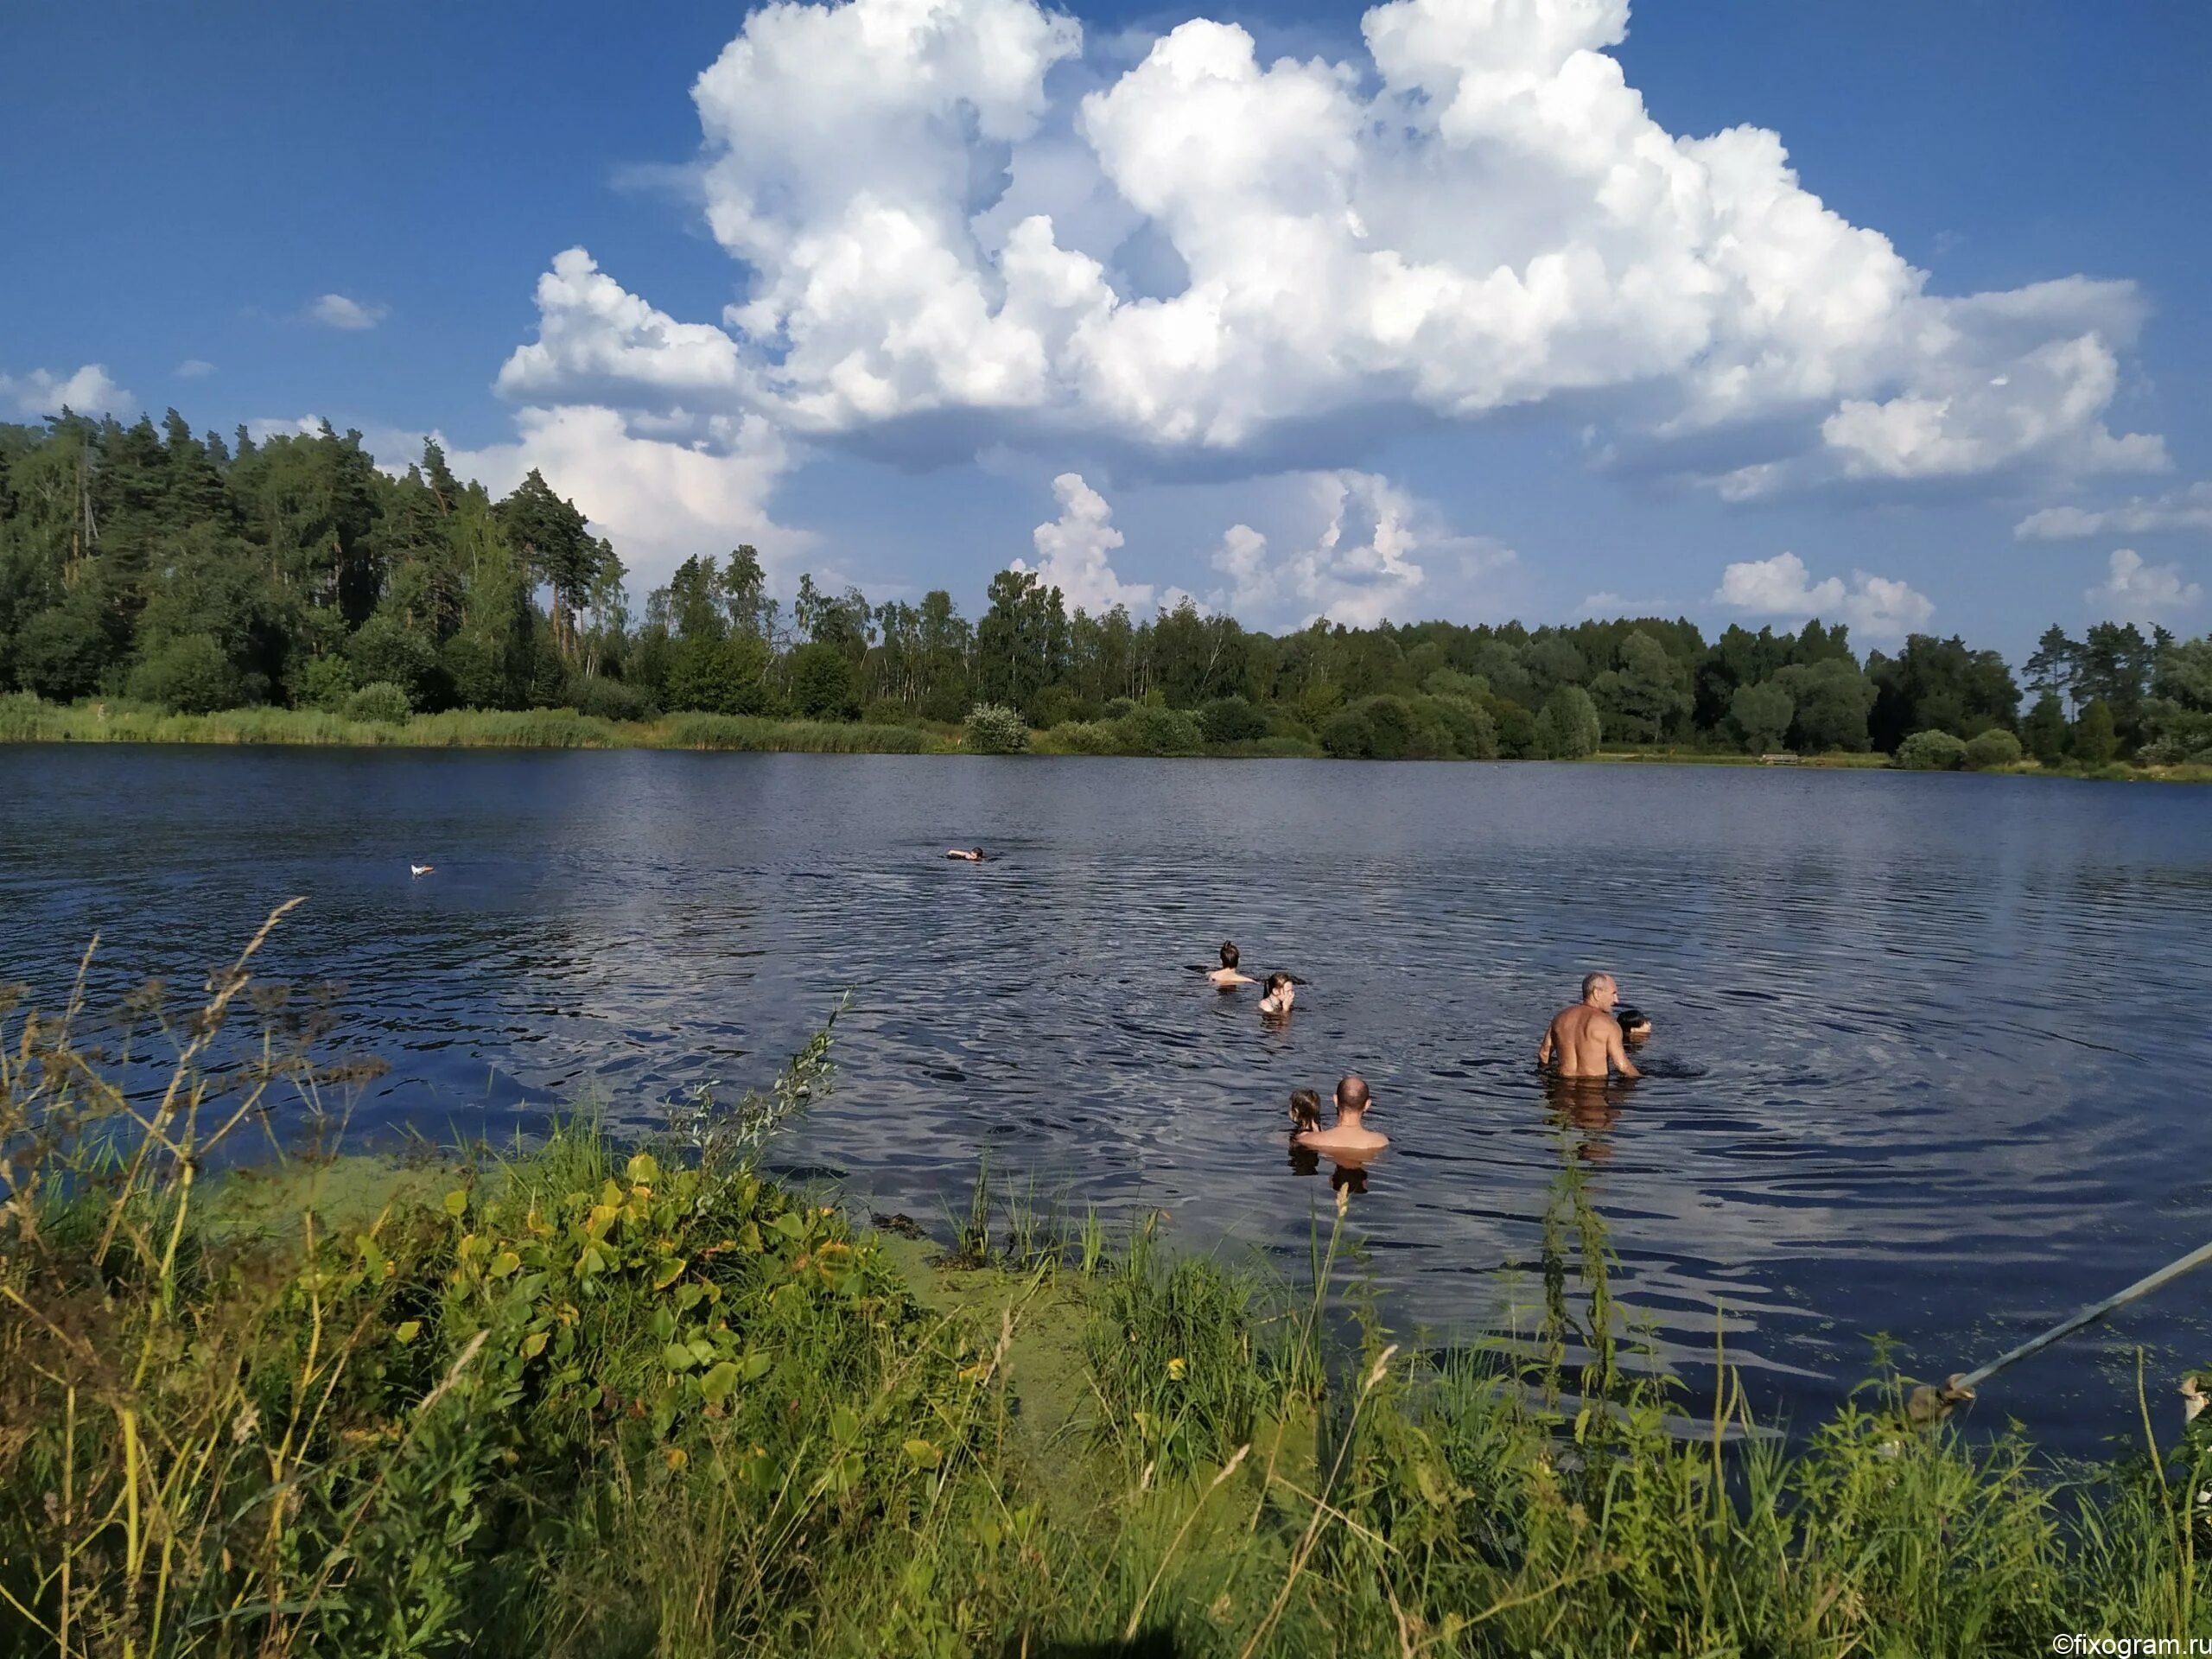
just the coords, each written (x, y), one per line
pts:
(1585, 1038)
(1349, 1136)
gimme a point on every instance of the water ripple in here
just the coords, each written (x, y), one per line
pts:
(1906, 1078)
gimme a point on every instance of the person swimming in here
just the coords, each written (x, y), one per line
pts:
(1585, 1039)
(972, 854)
(1228, 977)
(1282, 992)
(1636, 1026)
(1349, 1134)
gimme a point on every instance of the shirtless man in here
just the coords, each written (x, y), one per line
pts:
(1227, 977)
(1349, 1134)
(1585, 1038)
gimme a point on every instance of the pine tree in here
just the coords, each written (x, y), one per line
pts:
(557, 549)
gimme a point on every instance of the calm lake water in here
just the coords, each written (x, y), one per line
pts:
(1932, 1059)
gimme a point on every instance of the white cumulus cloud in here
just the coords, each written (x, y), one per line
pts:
(278, 426)
(337, 311)
(1075, 554)
(194, 368)
(1957, 423)
(1377, 553)
(596, 341)
(658, 501)
(2187, 508)
(2135, 592)
(940, 207)
(1877, 607)
(642, 420)
(88, 392)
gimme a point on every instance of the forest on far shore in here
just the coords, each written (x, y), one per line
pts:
(146, 563)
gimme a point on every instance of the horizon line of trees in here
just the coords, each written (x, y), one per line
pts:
(149, 563)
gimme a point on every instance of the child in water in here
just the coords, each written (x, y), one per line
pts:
(1305, 1112)
(1228, 976)
(1282, 992)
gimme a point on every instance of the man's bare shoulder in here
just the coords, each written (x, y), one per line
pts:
(1582, 1017)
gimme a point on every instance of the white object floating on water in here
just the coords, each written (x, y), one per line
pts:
(422, 869)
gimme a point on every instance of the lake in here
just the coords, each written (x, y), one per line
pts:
(1932, 1051)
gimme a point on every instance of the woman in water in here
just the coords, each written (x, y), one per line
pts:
(1229, 975)
(1282, 992)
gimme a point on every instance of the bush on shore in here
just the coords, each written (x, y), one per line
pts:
(1993, 751)
(379, 702)
(1145, 730)
(993, 729)
(1932, 752)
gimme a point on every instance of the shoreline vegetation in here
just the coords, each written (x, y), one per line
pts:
(27, 719)
(187, 587)
(590, 1399)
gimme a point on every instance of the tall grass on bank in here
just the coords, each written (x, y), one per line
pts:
(590, 1399)
(25, 719)
(746, 732)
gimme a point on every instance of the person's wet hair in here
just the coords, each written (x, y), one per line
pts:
(1305, 1111)
(1229, 956)
(1277, 983)
(1632, 1019)
(1351, 1093)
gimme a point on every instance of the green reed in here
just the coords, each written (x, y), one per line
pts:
(26, 719)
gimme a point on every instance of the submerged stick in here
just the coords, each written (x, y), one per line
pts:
(1961, 1385)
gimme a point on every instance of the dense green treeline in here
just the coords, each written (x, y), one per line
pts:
(146, 563)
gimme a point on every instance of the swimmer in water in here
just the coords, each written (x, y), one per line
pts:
(1585, 1039)
(1227, 977)
(973, 854)
(1282, 991)
(1636, 1026)
(1349, 1135)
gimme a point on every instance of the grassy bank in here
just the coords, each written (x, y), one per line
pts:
(597, 1400)
(26, 719)
(2114, 772)
(1654, 754)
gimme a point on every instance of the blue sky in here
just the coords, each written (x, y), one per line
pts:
(1260, 355)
